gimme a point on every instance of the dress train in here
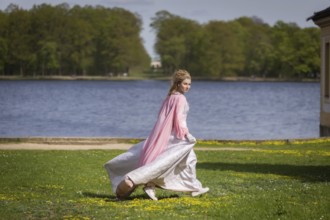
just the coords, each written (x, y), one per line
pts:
(174, 169)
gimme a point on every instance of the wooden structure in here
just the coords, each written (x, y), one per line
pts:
(322, 19)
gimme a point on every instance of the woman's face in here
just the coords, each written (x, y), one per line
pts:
(184, 86)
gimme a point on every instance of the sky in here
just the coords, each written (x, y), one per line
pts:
(202, 11)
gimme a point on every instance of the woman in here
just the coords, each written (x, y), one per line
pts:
(166, 159)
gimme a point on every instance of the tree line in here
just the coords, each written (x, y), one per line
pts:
(242, 47)
(60, 40)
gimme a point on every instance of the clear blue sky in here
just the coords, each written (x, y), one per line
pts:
(202, 11)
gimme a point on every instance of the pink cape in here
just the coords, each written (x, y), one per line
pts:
(170, 121)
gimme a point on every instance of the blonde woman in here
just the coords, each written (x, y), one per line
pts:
(166, 159)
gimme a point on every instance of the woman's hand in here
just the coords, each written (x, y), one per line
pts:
(191, 138)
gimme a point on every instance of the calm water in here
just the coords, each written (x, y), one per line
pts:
(218, 110)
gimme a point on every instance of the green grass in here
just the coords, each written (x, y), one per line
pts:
(268, 181)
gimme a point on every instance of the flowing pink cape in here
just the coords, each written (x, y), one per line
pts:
(169, 120)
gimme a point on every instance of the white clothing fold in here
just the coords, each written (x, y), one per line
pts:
(174, 169)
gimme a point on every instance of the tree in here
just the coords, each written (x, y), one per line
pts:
(119, 45)
(20, 56)
(48, 57)
(59, 40)
(284, 51)
(307, 52)
(88, 40)
(174, 37)
(257, 45)
(3, 42)
(49, 24)
(227, 49)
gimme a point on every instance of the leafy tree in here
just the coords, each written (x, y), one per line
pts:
(48, 57)
(175, 36)
(118, 39)
(20, 55)
(47, 23)
(227, 50)
(48, 40)
(59, 40)
(243, 47)
(198, 53)
(3, 42)
(284, 50)
(81, 48)
(307, 52)
(257, 46)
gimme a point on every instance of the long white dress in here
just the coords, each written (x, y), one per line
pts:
(173, 169)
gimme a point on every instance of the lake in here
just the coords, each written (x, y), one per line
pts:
(218, 110)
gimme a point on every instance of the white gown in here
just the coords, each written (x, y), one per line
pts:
(174, 169)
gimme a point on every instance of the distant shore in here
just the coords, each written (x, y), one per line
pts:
(124, 78)
(116, 140)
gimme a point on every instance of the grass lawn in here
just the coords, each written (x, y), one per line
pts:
(260, 181)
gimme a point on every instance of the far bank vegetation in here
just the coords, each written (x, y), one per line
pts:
(97, 41)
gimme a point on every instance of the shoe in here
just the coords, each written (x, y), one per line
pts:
(200, 192)
(150, 191)
(124, 189)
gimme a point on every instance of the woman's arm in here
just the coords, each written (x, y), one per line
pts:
(179, 124)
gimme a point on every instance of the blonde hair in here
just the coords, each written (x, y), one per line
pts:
(177, 78)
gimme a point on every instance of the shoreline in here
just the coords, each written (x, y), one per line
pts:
(118, 140)
(134, 78)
